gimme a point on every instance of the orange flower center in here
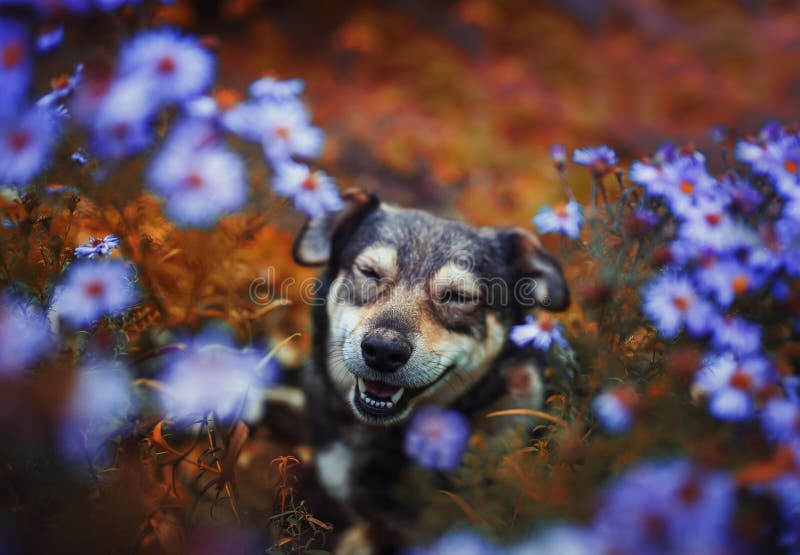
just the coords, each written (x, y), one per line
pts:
(166, 65)
(310, 183)
(13, 54)
(791, 166)
(740, 284)
(95, 289)
(121, 130)
(690, 492)
(713, 219)
(282, 132)
(681, 303)
(546, 325)
(740, 380)
(561, 211)
(687, 187)
(194, 180)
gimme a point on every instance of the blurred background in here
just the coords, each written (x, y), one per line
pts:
(453, 106)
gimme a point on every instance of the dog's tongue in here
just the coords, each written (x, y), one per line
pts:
(379, 389)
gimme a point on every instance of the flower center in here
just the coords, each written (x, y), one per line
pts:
(310, 183)
(681, 303)
(121, 130)
(740, 284)
(19, 140)
(791, 166)
(546, 325)
(687, 187)
(740, 380)
(713, 219)
(13, 54)
(282, 132)
(561, 212)
(166, 65)
(690, 492)
(95, 289)
(97, 242)
(194, 180)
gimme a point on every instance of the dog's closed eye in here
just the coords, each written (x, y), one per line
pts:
(368, 272)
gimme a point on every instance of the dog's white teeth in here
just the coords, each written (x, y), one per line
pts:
(397, 395)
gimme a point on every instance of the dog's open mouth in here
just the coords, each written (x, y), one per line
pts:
(379, 398)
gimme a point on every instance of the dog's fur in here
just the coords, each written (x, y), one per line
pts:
(448, 294)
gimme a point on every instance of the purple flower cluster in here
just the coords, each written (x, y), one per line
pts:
(656, 508)
(275, 118)
(28, 132)
(725, 250)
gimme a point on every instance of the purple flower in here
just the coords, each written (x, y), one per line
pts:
(667, 507)
(615, 408)
(178, 65)
(727, 279)
(780, 419)
(730, 383)
(736, 335)
(100, 401)
(202, 108)
(436, 438)
(682, 181)
(786, 489)
(213, 375)
(97, 247)
(456, 543)
(599, 158)
(673, 303)
(561, 539)
(24, 334)
(566, 219)
(49, 37)
(775, 155)
(269, 88)
(558, 153)
(26, 145)
(542, 334)
(199, 186)
(313, 193)
(283, 128)
(96, 288)
(122, 122)
(16, 66)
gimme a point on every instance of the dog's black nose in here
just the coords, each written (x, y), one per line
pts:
(385, 354)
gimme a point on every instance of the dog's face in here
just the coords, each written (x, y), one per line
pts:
(420, 306)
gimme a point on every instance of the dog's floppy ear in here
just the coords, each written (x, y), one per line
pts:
(313, 244)
(540, 279)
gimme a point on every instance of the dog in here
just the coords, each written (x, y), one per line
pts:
(412, 309)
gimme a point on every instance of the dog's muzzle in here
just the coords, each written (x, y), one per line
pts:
(384, 351)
